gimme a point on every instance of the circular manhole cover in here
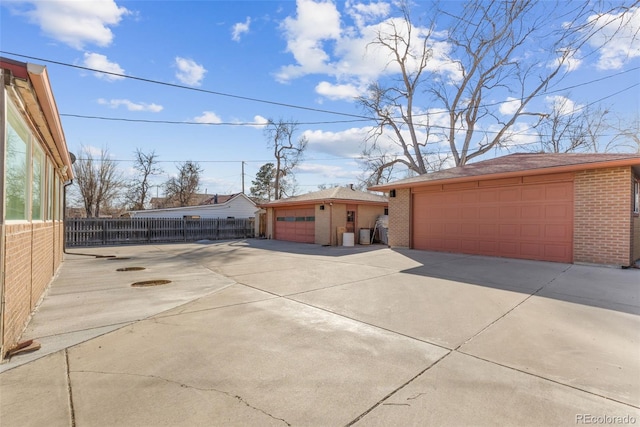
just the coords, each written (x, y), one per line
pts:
(148, 283)
(130, 269)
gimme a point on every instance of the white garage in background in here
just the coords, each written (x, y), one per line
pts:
(238, 206)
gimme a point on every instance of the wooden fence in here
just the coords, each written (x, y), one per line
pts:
(117, 231)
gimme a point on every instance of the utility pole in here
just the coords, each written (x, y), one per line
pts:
(243, 177)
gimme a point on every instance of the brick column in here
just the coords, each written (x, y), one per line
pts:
(400, 219)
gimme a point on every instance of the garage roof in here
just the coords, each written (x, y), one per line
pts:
(516, 165)
(336, 194)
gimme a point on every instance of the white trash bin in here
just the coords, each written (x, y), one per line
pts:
(348, 239)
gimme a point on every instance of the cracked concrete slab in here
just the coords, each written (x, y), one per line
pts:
(465, 391)
(261, 332)
(36, 395)
(586, 347)
(439, 311)
(294, 362)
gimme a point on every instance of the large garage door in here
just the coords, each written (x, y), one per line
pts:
(296, 225)
(531, 221)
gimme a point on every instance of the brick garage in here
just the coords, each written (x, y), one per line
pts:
(580, 208)
(316, 217)
(35, 166)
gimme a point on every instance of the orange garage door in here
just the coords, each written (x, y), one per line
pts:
(533, 221)
(296, 225)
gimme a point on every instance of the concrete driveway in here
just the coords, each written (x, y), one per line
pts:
(259, 333)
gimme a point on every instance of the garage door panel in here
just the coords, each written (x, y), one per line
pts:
(533, 221)
(295, 225)
(508, 195)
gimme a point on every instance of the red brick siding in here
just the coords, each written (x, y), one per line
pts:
(33, 253)
(400, 219)
(602, 216)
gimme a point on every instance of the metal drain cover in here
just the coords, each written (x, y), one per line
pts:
(130, 269)
(148, 283)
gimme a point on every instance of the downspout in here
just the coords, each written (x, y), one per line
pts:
(331, 224)
(64, 215)
(6, 80)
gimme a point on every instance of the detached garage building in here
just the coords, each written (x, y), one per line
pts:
(316, 217)
(552, 207)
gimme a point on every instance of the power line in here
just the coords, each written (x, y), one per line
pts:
(174, 85)
(173, 122)
(361, 118)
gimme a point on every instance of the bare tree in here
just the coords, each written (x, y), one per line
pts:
(624, 136)
(98, 180)
(484, 56)
(566, 129)
(287, 151)
(186, 184)
(146, 166)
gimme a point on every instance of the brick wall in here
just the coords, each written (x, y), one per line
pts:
(400, 219)
(33, 253)
(603, 216)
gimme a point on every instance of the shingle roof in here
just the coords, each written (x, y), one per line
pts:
(519, 162)
(331, 194)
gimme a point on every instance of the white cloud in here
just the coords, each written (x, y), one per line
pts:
(327, 171)
(617, 38)
(239, 29)
(76, 23)
(260, 121)
(510, 106)
(189, 72)
(562, 104)
(347, 143)
(320, 44)
(208, 117)
(315, 23)
(131, 106)
(365, 13)
(338, 91)
(97, 61)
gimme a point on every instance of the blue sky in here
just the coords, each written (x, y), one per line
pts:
(311, 54)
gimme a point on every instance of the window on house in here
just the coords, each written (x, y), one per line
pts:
(49, 191)
(37, 183)
(636, 196)
(16, 168)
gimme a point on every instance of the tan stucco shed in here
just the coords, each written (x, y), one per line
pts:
(319, 216)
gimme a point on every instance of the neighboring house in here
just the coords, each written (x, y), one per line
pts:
(196, 199)
(35, 165)
(237, 206)
(317, 217)
(574, 208)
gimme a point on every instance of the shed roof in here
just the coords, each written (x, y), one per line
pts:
(518, 164)
(335, 194)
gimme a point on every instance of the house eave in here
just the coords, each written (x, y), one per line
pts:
(510, 174)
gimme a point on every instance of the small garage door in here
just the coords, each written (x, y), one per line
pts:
(531, 221)
(296, 225)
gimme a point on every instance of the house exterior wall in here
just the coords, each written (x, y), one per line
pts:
(603, 218)
(400, 219)
(33, 254)
(323, 224)
(32, 229)
(366, 217)
(239, 207)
